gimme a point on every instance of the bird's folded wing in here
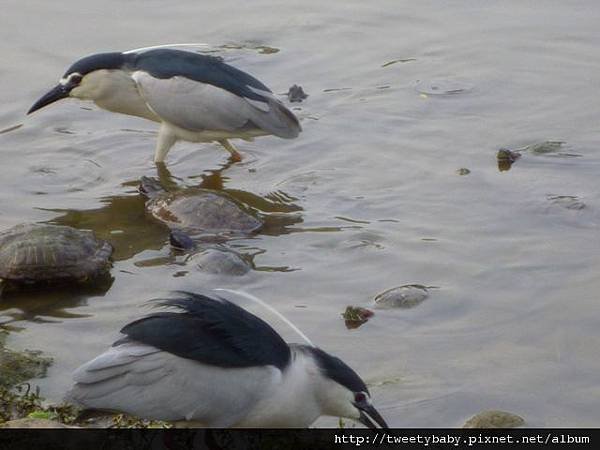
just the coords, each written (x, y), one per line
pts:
(198, 106)
(146, 382)
(211, 331)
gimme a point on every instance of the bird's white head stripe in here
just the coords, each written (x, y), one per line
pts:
(271, 309)
(143, 49)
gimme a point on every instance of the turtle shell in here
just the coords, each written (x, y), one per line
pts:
(32, 253)
(203, 210)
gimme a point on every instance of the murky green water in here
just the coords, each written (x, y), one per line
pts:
(402, 96)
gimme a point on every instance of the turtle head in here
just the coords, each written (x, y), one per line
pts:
(150, 187)
(181, 241)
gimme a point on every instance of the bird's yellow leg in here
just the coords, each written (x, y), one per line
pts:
(235, 155)
(166, 139)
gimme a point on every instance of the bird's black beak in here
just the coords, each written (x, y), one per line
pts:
(370, 418)
(58, 92)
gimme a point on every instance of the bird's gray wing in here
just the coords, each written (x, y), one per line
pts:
(198, 106)
(146, 382)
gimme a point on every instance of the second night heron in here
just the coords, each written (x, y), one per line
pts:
(214, 364)
(194, 97)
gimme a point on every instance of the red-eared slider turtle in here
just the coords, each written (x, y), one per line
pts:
(213, 259)
(198, 210)
(41, 253)
(405, 296)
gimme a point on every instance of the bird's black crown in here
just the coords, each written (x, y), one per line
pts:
(338, 371)
(112, 60)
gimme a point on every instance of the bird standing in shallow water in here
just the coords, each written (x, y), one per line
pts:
(194, 97)
(214, 364)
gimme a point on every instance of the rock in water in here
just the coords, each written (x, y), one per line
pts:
(494, 419)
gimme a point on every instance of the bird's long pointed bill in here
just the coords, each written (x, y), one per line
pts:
(371, 418)
(56, 93)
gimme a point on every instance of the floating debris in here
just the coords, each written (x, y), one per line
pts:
(12, 128)
(407, 296)
(405, 60)
(463, 171)
(262, 49)
(337, 89)
(442, 87)
(355, 316)
(296, 94)
(494, 419)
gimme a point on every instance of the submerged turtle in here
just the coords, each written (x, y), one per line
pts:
(198, 210)
(213, 259)
(42, 253)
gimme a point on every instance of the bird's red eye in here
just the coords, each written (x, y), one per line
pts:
(360, 397)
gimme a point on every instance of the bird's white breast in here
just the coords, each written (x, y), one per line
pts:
(293, 402)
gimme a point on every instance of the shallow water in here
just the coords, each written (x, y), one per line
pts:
(401, 96)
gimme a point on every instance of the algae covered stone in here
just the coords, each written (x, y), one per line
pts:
(494, 419)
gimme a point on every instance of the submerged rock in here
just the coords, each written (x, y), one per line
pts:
(494, 419)
(406, 296)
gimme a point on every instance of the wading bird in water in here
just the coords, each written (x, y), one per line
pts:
(194, 97)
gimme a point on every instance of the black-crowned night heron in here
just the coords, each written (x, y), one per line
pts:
(195, 97)
(214, 364)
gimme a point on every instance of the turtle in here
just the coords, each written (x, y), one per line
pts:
(212, 259)
(406, 296)
(198, 210)
(35, 253)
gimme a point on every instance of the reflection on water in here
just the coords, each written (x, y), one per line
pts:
(122, 221)
(51, 304)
